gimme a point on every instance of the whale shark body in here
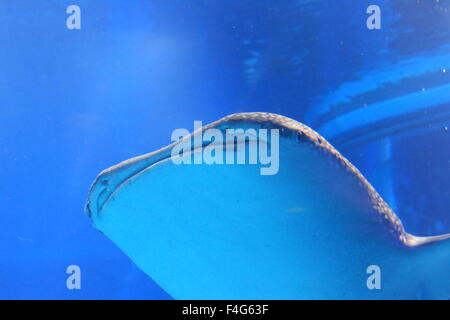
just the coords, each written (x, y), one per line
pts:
(313, 230)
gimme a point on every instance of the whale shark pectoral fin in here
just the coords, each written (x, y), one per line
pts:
(414, 241)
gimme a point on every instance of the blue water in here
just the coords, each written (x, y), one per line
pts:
(74, 102)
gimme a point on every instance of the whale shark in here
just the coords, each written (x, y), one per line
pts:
(316, 229)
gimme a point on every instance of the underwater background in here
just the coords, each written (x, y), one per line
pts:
(74, 102)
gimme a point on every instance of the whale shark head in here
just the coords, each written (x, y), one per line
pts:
(203, 220)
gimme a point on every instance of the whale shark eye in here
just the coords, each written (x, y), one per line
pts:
(300, 137)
